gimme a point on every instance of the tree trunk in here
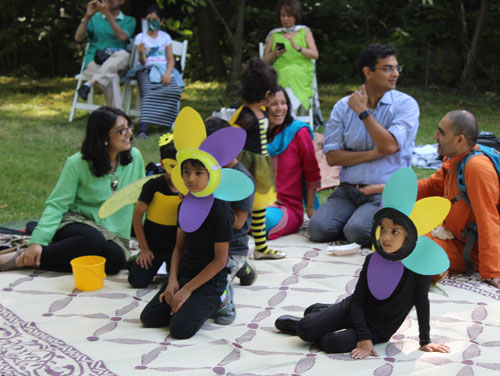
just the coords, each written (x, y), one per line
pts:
(208, 39)
(233, 84)
(365, 19)
(468, 73)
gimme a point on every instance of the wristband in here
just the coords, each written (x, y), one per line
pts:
(83, 21)
(300, 49)
(364, 115)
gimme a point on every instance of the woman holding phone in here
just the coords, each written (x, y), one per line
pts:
(291, 50)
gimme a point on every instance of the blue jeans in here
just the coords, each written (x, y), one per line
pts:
(348, 213)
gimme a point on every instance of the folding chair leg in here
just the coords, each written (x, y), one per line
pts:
(75, 101)
(73, 107)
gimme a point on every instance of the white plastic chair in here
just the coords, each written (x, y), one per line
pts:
(88, 105)
(77, 104)
(179, 49)
(314, 101)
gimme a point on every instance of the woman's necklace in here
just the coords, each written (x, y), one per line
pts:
(114, 179)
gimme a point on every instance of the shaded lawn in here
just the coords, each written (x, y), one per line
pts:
(36, 137)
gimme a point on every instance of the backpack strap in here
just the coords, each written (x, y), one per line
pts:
(469, 233)
(460, 168)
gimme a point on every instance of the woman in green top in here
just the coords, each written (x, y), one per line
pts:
(69, 226)
(291, 50)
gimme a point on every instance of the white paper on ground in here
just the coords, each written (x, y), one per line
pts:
(341, 250)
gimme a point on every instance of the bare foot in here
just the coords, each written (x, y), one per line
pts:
(8, 261)
(22, 261)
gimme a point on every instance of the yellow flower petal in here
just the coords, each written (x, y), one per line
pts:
(189, 129)
(429, 213)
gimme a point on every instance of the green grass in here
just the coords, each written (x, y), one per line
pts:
(36, 138)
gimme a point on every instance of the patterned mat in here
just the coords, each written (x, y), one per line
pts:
(48, 328)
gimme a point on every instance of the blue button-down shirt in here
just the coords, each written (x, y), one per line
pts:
(397, 112)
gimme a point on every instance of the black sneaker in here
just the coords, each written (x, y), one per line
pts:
(131, 261)
(83, 92)
(247, 274)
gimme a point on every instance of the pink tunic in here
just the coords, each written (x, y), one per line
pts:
(298, 159)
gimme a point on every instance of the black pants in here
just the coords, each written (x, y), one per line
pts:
(201, 305)
(140, 277)
(78, 239)
(330, 327)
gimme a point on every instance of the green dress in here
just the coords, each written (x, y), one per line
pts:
(294, 69)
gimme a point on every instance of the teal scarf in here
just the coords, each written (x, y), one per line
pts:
(283, 139)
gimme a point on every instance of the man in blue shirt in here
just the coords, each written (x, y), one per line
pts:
(370, 134)
(107, 29)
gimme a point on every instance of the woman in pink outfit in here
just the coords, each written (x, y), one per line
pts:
(295, 165)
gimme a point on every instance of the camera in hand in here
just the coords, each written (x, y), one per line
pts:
(280, 46)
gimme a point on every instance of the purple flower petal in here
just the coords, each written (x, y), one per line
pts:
(224, 144)
(193, 211)
(383, 276)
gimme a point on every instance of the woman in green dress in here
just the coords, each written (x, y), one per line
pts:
(291, 50)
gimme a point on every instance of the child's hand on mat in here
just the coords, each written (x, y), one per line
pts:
(363, 349)
(32, 255)
(168, 294)
(435, 347)
(178, 300)
(145, 258)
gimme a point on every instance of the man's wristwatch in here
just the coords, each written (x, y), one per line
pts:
(83, 21)
(300, 49)
(364, 115)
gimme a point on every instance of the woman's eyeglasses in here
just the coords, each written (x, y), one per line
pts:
(123, 130)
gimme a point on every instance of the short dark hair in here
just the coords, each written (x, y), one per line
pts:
(168, 151)
(257, 79)
(292, 7)
(288, 117)
(154, 9)
(214, 123)
(194, 163)
(94, 147)
(464, 122)
(370, 55)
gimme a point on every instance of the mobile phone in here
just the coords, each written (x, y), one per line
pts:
(280, 46)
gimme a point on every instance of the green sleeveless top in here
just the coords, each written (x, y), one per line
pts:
(294, 69)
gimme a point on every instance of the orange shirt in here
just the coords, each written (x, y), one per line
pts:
(483, 191)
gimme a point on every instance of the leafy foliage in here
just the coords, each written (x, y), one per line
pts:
(433, 36)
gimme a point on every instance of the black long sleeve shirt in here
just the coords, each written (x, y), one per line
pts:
(378, 320)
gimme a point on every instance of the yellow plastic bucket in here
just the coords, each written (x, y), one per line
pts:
(88, 272)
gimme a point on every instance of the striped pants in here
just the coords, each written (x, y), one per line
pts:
(159, 104)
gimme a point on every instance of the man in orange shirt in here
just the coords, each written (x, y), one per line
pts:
(456, 136)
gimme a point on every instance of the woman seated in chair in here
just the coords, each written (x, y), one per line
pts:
(160, 84)
(290, 49)
(295, 167)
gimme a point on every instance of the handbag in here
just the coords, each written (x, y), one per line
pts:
(101, 56)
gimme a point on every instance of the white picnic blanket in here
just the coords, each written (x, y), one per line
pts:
(48, 328)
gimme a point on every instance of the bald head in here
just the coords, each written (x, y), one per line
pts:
(463, 123)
